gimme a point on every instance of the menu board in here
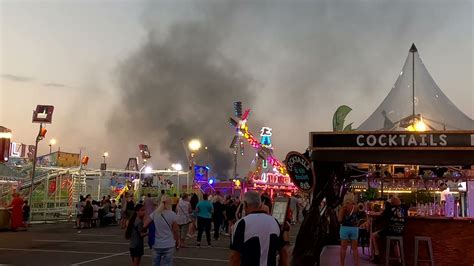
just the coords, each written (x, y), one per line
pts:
(300, 170)
(280, 209)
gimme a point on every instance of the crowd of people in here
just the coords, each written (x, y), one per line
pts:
(170, 221)
(91, 213)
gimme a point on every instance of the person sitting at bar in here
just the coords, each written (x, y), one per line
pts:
(395, 216)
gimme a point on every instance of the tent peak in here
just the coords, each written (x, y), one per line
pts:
(413, 48)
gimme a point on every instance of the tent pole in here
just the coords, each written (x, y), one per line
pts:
(413, 82)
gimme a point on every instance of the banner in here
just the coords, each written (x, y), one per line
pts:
(300, 170)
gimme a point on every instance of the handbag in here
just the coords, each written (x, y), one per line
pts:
(188, 218)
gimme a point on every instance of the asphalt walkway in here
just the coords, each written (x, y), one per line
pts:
(60, 244)
(330, 257)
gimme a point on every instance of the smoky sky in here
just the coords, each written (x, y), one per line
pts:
(180, 88)
(292, 62)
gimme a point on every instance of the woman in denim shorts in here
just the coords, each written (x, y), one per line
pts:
(349, 231)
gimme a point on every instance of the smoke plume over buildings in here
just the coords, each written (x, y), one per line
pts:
(292, 63)
(181, 86)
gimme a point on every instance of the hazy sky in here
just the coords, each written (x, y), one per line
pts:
(295, 62)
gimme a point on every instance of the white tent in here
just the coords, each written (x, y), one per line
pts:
(415, 95)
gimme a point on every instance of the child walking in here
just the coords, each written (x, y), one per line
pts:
(26, 213)
(135, 234)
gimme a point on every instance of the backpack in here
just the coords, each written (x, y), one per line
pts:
(151, 234)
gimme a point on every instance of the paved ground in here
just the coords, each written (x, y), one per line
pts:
(60, 244)
(330, 257)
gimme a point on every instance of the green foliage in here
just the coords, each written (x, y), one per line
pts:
(348, 127)
(339, 117)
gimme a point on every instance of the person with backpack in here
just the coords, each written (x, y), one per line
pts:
(395, 215)
(135, 234)
(349, 231)
(163, 233)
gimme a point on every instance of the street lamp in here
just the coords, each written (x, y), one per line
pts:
(418, 126)
(51, 143)
(194, 145)
(106, 154)
(178, 167)
(148, 170)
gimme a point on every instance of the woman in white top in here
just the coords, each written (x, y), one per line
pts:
(183, 217)
(166, 233)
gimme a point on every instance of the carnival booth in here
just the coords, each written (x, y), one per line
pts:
(417, 142)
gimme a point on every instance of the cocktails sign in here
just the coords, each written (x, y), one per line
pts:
(300, 170)
(393, 140)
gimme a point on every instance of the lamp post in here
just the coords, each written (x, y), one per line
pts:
(178, 167)
(51, 143)
(148, 170)
(106, 154)
(194, 145)
(208, 156)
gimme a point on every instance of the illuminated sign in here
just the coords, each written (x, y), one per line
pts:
(266, 141)
(16, 150)
(266, 133)
(271, 178)
(144, 151)
(201, 173)
(43, 114)
(393, 140)
(300, 171)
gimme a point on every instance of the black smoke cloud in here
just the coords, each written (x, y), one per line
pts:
(299, 60)
(182, 87)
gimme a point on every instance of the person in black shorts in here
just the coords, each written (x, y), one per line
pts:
(231, 208)
(135, 234)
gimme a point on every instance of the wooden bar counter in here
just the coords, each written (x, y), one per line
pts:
(452, 239)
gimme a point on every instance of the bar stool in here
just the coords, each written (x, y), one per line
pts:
(430, 249)
(387, 250)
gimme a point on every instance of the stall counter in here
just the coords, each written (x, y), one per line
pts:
(451, 238)
(4, 219)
